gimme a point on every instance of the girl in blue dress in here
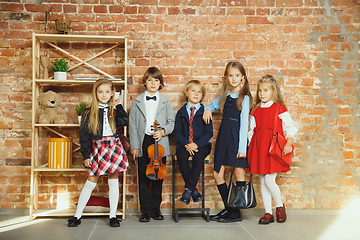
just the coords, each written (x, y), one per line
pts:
(231, 142)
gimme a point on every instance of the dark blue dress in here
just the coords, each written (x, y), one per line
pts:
(227, 141)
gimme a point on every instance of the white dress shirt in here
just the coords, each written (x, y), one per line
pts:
(150, 108)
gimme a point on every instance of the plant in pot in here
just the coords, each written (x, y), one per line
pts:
(80, 107)
(60, 67)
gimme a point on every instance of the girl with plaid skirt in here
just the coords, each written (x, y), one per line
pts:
(101, 148)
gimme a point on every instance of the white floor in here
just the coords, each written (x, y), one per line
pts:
(301, 227)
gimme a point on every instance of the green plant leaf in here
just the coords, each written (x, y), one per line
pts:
(60, 65)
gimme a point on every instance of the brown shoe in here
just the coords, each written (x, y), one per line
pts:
(266, 219)
(280, 214)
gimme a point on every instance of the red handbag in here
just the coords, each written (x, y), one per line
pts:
(277, 144)
(124, 142)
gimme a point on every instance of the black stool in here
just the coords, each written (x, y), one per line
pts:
(189, 212)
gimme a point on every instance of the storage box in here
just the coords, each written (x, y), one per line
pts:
(60, 153)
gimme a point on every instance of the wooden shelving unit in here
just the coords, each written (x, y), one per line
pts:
(37, 85)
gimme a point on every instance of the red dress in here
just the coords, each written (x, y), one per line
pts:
(260, 162)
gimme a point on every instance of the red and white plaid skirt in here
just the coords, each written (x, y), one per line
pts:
(108, 156)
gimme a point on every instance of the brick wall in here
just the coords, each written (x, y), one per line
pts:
(311, 47)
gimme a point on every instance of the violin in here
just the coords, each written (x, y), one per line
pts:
(156, 170)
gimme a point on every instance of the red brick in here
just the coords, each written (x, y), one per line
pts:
(88, 8)
(142, 62)
(174, 10)
(189, 11)
(130, 10)
(142, 2)
(289, 3)
(231, 3)
(100, 9)
(169, 2)
(13, 7)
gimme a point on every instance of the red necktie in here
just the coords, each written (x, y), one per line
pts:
(191, 132)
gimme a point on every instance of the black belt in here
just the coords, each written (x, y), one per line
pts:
(232, 119)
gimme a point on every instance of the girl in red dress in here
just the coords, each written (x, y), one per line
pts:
(260, 162)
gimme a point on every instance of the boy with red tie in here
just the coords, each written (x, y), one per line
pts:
(193, 139)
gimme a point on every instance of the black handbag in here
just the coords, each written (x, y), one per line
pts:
(241, 197)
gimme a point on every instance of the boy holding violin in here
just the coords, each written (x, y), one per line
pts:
(193, 139)
(145, 109)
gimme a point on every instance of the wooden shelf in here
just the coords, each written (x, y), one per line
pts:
(46, 169)
(87, 38)
(39, 41)
(57, 125)
(68, 82)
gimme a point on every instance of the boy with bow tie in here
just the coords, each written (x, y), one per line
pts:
(145, 109)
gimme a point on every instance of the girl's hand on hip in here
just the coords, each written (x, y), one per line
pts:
(241, 155)
(207, 116)
(87, 162)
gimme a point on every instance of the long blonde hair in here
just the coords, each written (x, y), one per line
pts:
(274, 86)
(94, 109)
(245, 89)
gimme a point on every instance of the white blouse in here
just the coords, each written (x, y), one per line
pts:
(289, 126)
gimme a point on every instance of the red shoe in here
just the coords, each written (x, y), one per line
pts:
(266, 219)
(280, 214)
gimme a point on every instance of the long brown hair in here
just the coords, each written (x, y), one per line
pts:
(274, 87)
(94, 109)
(245, 89)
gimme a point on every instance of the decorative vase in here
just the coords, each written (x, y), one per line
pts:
(79, 119)
(60, 75)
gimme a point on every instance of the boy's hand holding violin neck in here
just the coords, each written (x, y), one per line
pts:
(158, 134)
(207, 116)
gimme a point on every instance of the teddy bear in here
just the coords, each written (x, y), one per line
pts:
(49, 111)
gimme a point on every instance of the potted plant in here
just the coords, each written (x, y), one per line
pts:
(60, 67)
(80, 109)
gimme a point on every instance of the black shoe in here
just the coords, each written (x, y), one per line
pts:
(156, 214)
(74, 222)
(231, 217)
(114, 222)
(145, 217)
(196, 196)
(185, 198)
(219, 215)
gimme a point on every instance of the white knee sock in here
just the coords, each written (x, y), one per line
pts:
(273, 188)
(113, 196)
(84, 198)
(265, 194)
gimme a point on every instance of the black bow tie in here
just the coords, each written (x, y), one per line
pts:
(150, 98)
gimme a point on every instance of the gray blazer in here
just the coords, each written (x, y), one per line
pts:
(137, 122)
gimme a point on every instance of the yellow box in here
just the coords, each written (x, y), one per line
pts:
(60, 153)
